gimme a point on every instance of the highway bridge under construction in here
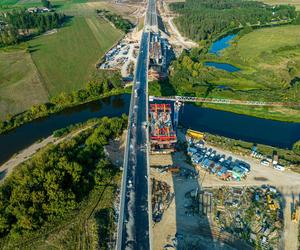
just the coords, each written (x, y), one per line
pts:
(135, 210)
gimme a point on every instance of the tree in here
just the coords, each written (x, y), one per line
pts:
(46, 3)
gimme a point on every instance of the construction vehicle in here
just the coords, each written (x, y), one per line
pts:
(225, 176)
(174, 169)
(195, 134)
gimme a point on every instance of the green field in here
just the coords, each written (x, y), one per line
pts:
(20, 84)
(269, 59)
(61, 61)
(67, 58)
(295, 3)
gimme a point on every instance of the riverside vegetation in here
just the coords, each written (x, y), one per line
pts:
(102, 85)
(43, 190)
(268, 71)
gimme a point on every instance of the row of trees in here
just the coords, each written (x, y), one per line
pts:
(20, 23)
(54, 182)
(120, 23)
(102, 84)
(205, 19)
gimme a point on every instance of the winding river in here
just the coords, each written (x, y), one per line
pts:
(275, 133)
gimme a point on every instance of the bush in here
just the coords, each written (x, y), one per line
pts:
(296, 147)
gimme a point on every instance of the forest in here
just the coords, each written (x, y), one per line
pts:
(47, 187)
(19, 24)
(206, 19)
(119, 22)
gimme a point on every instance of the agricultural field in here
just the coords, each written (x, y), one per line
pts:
(20, 84)
(89, 8)
(63, 60)
(67, 59)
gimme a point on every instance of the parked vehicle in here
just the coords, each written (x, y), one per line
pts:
(264, 162)
(279, 167)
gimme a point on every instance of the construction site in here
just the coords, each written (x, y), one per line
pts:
(192, 207)
(160, 55)
(162, 134)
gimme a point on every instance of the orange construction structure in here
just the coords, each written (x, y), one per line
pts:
(162, 135)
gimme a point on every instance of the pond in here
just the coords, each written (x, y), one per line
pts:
(223, 66)
(216, 48)
(275, 133)
(221, 44)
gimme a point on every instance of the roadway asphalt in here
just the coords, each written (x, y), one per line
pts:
(135, 233)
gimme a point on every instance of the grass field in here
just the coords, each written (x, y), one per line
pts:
(269, 59)
(67, 58)
(20, 84)
(89, 8)
(62, 61)
(254, 45)
(295, 3)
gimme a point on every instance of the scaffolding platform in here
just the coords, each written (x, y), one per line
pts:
(162, 135)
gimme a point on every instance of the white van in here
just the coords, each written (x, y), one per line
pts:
(279, 167)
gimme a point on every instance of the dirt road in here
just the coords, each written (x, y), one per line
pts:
(8, 167)
(175, 38)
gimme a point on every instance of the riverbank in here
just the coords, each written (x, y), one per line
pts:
(59, 104)
(253, 65)
(283, 114)
(289, 158)
(56, 138)
(27, 134)
(86, 169)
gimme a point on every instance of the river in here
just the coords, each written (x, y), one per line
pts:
(275, 133)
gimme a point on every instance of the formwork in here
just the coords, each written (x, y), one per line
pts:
(156, 58)
(162, 135)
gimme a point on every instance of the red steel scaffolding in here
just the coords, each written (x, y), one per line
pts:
(162, 134)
